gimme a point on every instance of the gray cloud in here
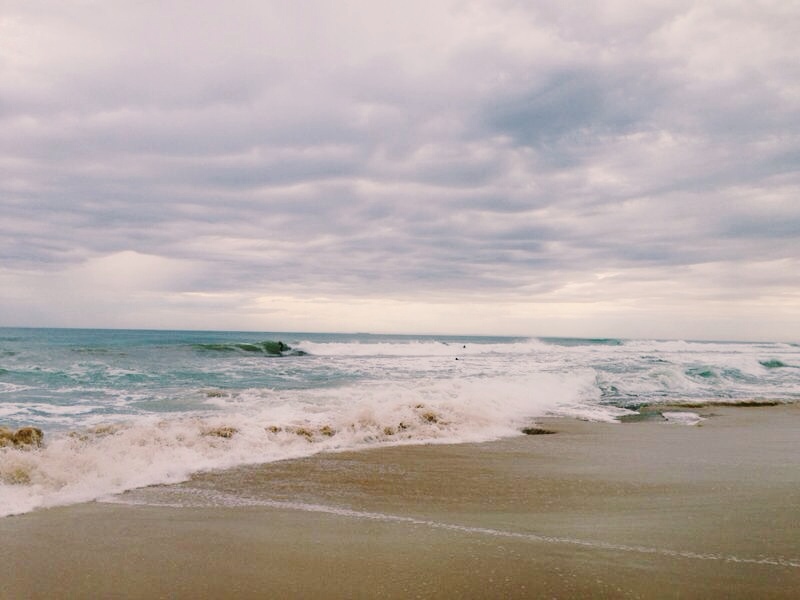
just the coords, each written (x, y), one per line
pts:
(449, 153)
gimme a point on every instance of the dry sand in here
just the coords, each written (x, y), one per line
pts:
(651, 510)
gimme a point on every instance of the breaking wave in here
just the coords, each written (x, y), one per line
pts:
(260, 426)
(268, 347)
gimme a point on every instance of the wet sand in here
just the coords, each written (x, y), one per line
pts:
(648, 509)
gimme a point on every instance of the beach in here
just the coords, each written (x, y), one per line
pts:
(651, 509)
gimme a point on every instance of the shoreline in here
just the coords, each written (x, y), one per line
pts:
(645, 509)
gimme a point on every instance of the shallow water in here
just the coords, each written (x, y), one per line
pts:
(124, 409)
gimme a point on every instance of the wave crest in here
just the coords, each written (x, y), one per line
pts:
(268, 347)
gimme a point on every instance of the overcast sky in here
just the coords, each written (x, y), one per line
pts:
(616, 168)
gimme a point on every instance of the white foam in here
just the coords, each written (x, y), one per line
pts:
(417, 348)
(683, 346)
(41, 413)
(8, 388)
(682, 418)
(150, 450)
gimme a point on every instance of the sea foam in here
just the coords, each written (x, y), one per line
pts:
(261, 426)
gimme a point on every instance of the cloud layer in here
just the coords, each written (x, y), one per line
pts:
(464, 166)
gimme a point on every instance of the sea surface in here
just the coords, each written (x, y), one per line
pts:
(122, 409)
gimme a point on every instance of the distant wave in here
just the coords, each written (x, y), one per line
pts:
(773, 363)
(269, 347)
(569, 342)
(424, 348)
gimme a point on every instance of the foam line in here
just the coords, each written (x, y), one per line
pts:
(236, 501)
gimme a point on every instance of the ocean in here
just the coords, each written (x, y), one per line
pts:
(124, 409)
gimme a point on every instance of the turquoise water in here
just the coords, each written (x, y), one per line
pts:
(50, 376)
(47, 376)
(121, 409)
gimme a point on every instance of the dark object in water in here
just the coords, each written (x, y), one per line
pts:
(755, 403)
(430, 417)
(268, 347)
(536, 431)
(652, 412)
(303, 432)
(223, 432)
(749, 403)
(772, 364)
(25, 437)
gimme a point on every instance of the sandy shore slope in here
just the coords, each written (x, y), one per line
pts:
(650, 509)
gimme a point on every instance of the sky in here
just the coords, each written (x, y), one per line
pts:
(606, 169)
